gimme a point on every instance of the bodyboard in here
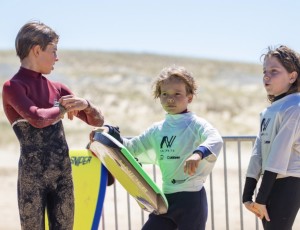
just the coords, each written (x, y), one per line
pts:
(90, 180)
(123, 166)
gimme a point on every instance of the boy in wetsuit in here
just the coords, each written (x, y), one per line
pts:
(34, 106)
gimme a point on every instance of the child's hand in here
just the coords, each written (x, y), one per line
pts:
(101, 129)
(191, 164)
(114, 131)
(250, 206)
(73, 103)
(72, 114)
(262, 210)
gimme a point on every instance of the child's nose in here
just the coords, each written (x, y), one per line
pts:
(170, 100)
(266, 77)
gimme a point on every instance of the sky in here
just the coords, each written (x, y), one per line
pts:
(230, 30)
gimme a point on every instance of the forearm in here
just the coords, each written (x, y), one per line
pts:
(91, 115)
(266, 186)
(249, 187)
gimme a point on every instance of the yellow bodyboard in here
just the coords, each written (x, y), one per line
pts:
(90, 179)
(123, 166)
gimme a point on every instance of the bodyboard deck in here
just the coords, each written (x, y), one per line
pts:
(123, 166)
(90, 180)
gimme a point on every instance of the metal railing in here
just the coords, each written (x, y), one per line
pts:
(224, 189)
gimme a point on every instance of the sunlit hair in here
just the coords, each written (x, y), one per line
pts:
(290, 60)
(174, 72)
(31, 34)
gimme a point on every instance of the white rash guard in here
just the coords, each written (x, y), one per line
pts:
(170, 142)
(277, 147)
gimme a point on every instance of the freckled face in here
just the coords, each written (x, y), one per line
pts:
(277, 79)
(174, 98)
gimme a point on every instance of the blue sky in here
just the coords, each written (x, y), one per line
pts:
(225, 30)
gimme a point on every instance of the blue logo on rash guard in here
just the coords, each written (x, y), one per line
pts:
(264, 124)
(77, 161)
(168, 148)
(165, 140)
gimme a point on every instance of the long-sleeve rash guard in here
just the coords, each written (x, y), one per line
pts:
(277, 146)
(170, 142)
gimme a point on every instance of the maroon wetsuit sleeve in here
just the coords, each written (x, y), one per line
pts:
(32, 97)
(19, 106)
(91, 115)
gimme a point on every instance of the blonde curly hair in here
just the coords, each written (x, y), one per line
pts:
(174, 72)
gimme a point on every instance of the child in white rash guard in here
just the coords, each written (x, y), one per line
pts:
(275, 155)
(184, 146)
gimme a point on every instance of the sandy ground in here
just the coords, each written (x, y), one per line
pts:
(127, 209)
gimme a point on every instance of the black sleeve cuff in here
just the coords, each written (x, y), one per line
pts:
(249, 188)
(266, 186)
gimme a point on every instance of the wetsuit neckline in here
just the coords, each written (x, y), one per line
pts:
(29, 72)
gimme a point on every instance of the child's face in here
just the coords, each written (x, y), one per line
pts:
(174, 98)
(47, 58)
(276, 78)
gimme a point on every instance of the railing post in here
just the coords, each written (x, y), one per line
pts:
(226, 187)
(212, 202)
(240, 185)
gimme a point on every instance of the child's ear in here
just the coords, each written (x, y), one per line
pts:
(293, 77)
(190, 98)
(36, 50)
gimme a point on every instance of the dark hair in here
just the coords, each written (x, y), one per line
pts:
(174, 72)
(31, 34)
(290, 60)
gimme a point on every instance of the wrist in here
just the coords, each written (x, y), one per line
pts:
(62, 109)
(199, 153)
(247, 202)
(89, 107)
